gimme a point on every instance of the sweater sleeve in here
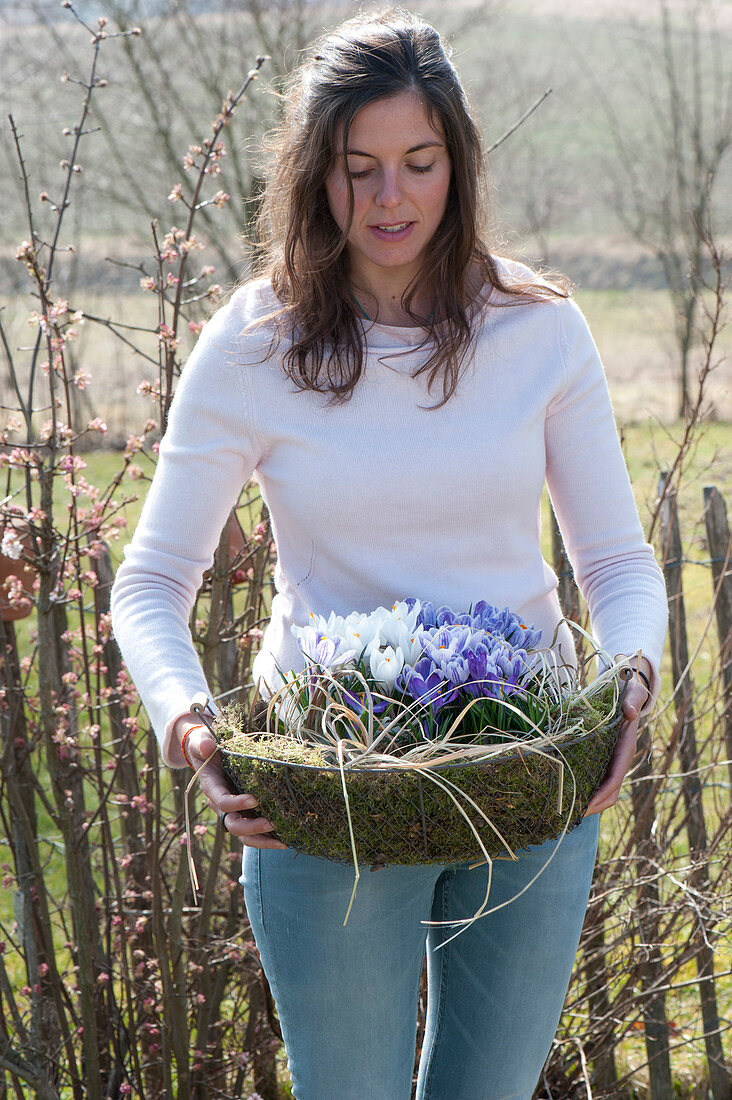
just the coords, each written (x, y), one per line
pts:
(206, 456)
(614, 566)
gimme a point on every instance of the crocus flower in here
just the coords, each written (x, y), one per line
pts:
(322, 651)
(425, 683)
(386, 665)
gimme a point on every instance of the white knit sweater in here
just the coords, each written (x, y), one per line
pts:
(383, 497)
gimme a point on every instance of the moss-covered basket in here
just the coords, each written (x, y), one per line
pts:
(398, 815)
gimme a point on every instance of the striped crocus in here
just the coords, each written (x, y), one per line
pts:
(321, 650)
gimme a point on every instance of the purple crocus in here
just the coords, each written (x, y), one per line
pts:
(485, 679)
(356, 700)
(322, 651)
(484, 617)
(426, 684)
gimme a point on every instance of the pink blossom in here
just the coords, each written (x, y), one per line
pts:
(58, 309)
(40, 319)
(72, 462)
(188, 160)
(176, 194)
(195, 326)
(97, 425)
(220, 199)
(167, 337)
(190, 244)
(11, 546)
(147, 282)
(26, 252)
(135, 472)
(82, 378)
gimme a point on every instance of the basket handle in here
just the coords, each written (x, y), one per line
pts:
(200, 707)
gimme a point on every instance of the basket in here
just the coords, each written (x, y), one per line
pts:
(400, 815)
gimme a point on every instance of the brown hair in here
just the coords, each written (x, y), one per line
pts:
(304, 251)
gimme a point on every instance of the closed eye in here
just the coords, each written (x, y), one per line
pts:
(418, 169)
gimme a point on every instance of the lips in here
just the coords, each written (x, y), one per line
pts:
(392, 231)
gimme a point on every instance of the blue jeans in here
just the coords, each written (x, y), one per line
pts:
(347, 997)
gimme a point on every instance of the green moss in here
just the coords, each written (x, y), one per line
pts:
(400, 816)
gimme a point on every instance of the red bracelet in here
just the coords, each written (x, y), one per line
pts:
(183, 743)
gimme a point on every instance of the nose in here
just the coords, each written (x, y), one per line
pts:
(389, 193)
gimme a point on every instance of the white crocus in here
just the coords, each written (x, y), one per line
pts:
(402, 612)
(386, 665)
(363, 632)
(412, 645)
(399, 629)
(358, 632)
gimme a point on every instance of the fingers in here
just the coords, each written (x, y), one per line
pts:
(252, 831)
(200, 744)
(634, 699)
(607, 794)
(237, 807)
(201, 747)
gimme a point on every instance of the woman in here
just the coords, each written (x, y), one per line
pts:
(401, 395)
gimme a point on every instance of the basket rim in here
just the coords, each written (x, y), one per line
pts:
(508, 757)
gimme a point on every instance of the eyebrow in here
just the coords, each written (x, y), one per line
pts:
(414, 149)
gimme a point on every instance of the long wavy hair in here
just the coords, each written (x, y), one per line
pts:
(304, 252)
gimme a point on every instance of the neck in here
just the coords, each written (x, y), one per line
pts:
(384, 304)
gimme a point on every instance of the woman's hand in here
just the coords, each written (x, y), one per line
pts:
(200, 746)
(636, 696)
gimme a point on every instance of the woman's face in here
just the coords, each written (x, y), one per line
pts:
(400, 170)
